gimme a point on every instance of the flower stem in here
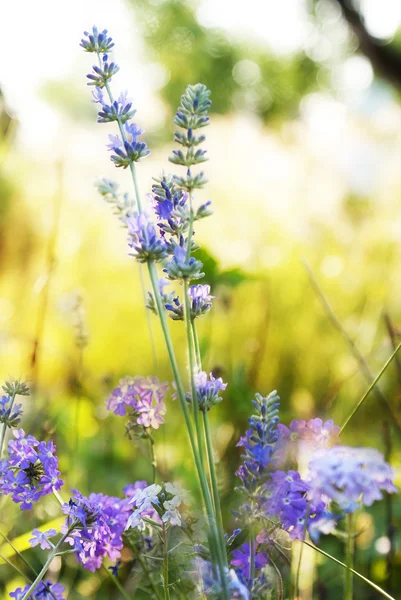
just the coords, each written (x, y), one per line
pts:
(165, 564)
(209, 450)
(42, 573)
(117, 584)
(252, 552)
(221, 558)
(4, 428)
(372, 385)
(192, 369)
(349, 557)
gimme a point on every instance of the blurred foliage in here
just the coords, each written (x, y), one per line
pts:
(242, 75)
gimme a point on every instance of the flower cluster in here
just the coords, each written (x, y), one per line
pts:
(128, 149)
(10, 414)
(191, 115)
(96, 527)
(259, 441)
(210, 584)
(350, 477)
(46, 590)
(200, 303)
(145, 242)
(297, 442)
(144, 396)
(207, 390)
(31, 470)
(157, 501)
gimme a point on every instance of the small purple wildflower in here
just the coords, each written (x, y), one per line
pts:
(242, 560)
(10, 414)
(102, 522)
(200, 303)
(144, 241)
(42, 538)
(207, 390)
(44, 591)
(144, 396)
(31, 470)
(297, 442)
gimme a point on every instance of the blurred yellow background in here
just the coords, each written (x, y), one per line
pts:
(304, 163)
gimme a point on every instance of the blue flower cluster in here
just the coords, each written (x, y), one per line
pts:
(31, 470)
(128, 149)
(145, 243)
(10, 413)
(200, 303)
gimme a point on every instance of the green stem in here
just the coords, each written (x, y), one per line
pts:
(372, 385)
(349, 557)
(42, 573)
(209, 450)
(117, 584)
(213, 477)
(165, 564)
(4, 428)
(221, 558)
(192, 369)
(145, 569)
(252, 553)
(153, 455)
(365, 579)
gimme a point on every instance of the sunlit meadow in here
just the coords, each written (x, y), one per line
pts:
(198, 302)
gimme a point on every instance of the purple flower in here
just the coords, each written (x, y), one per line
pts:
(350, 476)
(102, 522)
(144, 396)
(297, 442)
(200, 303)
(145, 242)
(31, 470)
(10, 415)
(42, 538)
(242, 560)
(46, 590)
(207, 390)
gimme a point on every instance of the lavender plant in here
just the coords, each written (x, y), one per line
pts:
(294, 483)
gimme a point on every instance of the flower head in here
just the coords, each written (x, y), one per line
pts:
(144, 241)
(10, 414)
(350, 476)
(97, 41)
(242, 560)
(46, 590)
(207, 390)
(31, 470)
(200, 303)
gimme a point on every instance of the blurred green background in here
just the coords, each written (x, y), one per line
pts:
(304, 148)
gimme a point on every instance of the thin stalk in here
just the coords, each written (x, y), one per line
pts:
(50, 269)
(365, 579)
(148, 575)
(372, 385)
(349, 557)
(117, 583)
(42, 573)
(75, 449)
(363, 366)
(154, 461)
(215, 490)
(221, 558)
(4, 428)
(252, 553)
(298, 573)
(209, 449)
(197, 348)
(165, 564)
(192, 369)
